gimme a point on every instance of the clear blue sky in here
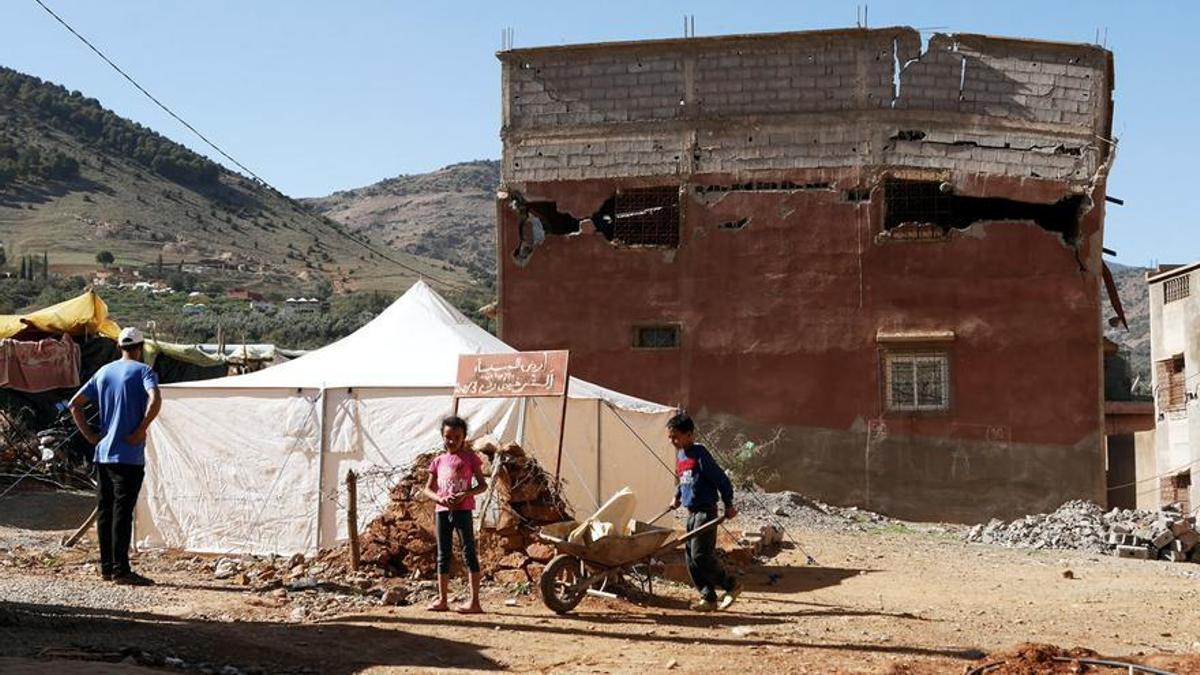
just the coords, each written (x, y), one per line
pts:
(317, 96)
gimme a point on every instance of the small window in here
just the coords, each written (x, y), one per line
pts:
(1172, 384)
(1177, 288)
(647, 216)
(656, 337)
(917, 381)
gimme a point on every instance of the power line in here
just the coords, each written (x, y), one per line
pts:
(229, 157)
(150, 96)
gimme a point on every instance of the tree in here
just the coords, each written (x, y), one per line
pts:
(45, 266)
(105, 258)
(3, 256)
(24, 266)
(160, 265)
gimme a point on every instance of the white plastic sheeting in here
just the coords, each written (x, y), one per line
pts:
(257, 463)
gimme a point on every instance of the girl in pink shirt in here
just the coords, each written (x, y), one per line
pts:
(451, 475)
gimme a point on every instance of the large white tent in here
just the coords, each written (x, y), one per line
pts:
(256, 463)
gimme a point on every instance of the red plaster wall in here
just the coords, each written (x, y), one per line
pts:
(779, 318)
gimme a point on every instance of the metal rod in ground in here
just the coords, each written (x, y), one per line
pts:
(808, 559)
(70, 541)
(352, 516)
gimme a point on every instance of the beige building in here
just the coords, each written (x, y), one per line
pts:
(1169, 471)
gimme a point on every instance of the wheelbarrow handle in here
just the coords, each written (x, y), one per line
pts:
(687, 536)
(660, 516)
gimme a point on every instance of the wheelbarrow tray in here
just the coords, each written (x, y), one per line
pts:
(610, 551)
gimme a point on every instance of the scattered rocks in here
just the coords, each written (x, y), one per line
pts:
(395, 596)
(225, 569)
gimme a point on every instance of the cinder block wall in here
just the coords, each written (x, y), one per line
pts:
(714, 105)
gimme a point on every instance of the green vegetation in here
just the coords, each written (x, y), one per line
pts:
(84, 118)
(28, 163)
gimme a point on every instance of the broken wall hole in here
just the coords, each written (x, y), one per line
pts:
(647, 216)
(734, 224)
(933, 203)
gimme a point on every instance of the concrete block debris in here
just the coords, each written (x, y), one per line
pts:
(1167, 534)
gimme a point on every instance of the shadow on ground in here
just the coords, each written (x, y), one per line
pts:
(337, 648)
(33, 507)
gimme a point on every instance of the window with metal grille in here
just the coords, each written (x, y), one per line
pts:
(1177, 288)
(1172, 384)
(656, 337)
(647, 216)
(917, 381)
(916, 201)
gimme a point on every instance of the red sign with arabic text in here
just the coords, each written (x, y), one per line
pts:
(512, 375)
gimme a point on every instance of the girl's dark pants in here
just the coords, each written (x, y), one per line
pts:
(447, 523)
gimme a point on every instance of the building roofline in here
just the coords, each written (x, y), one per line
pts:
(749, 38)
(1163, 276)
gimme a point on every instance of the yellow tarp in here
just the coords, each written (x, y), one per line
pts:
(86, 314)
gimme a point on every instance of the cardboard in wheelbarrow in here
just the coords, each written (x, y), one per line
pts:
(612, 550)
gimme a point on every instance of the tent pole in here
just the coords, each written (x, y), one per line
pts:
(562, 423)
(323, 448)
(599, 423)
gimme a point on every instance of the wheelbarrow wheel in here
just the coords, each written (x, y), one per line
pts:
(562, 583)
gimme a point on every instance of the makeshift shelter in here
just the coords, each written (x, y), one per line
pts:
(255, 463)
(84, 320)
(183, 363)
(83, 316)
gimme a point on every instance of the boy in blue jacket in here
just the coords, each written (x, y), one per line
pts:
(701, 481)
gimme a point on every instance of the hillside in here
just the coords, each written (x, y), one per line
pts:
(1131, 286)
(448, 214)
(77, 179)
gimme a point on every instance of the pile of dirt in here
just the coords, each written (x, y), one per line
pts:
(1038, 659)
(402, 541)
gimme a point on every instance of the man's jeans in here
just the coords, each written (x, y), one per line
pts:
(117, 494)
(701, 552)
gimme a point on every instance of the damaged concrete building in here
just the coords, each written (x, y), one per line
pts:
(878, 260)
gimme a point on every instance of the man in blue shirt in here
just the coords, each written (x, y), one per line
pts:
(126, 393)
(701, 481)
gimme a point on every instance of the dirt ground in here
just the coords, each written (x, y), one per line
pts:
(900, 599)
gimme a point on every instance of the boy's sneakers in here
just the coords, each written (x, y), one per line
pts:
(703, 606)
(131, 579)
(731, 595)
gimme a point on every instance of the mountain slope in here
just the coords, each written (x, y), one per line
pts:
(77, 179)
(448, 214)
(1131, 287)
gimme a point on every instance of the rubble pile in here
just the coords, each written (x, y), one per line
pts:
(1077, 524)
(402, 541)
(1168, 535)
(793, 510)
(1081, 525)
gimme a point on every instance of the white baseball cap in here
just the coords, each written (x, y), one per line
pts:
(130, 337)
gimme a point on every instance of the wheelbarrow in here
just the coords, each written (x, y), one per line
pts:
(579, 568)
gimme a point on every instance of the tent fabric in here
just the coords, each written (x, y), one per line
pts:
(256, 463)
(39, 365)
(86, 314)
(190, 354)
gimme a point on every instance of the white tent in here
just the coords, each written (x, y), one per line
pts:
(256, 463)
